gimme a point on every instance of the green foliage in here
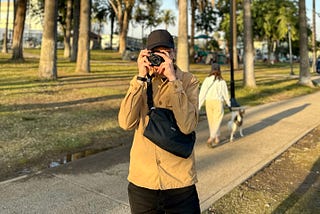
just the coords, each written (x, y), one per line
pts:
(147, 13)
(271, 19)
(213, 45)
(206, 20)
(167, 17)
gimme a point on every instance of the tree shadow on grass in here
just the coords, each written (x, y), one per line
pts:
(306, 198)
(16, 83)
(54, 105)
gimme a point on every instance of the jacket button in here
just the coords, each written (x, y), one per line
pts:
(160, 103)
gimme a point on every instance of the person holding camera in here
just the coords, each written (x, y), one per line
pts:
(159, 181)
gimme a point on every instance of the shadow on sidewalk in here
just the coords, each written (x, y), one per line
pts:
(269, 121)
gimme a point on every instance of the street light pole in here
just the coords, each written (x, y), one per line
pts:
(231, 52)
(290, 50)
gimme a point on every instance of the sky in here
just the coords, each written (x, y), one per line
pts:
(166, 4)
(135, 31)
(170, 4)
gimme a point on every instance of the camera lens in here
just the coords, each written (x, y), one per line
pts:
(155, 59)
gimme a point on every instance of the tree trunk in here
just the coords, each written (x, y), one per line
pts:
(111, 31)
(75, 36)
(248, 79)
(314, 32)
(17, 45)
(183, 50)
(5, 37)
(123, 10)
(234, 32)
(304, 77)
(48, 56)
(83, 58)
(193, 11)
(125, 27)
(67, 47)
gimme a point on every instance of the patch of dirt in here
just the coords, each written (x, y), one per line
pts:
(290, 184)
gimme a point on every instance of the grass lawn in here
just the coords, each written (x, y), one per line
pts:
(43, 120)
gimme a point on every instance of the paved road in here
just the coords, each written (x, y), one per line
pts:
(97, 184)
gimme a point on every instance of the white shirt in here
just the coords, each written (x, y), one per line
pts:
(213, 90)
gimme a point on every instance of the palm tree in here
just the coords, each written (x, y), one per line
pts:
(111, 16)
(233, 29)
(17, 44)
(5, 37)
(314, 32)
(193, 5)
(83, 57)
(168, 18)
(183, 50)
(153, 12)
(140, 16)
(67, 45)
(123, 10)
(248, 79)
(100, 13)
(75, 36)
(304, 77)
(48, 56)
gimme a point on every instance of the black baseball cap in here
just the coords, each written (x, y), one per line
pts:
(159, 38)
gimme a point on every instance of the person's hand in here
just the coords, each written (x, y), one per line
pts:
(143, 63)
(166, 68)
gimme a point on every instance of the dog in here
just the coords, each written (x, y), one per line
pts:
(236, 122)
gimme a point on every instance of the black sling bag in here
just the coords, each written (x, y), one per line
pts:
(162, 129)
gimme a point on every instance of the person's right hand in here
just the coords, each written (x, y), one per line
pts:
(143, 63)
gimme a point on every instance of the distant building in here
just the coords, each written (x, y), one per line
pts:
(132, 43)
(32, 29)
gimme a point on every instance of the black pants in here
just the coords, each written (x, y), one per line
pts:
(179, 201)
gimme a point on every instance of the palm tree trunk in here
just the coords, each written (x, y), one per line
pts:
(5, 37)
(304, 77)
(17, 45)
(314, 32)
(183, 50)
(111, 31)
(125, 27)
(234, 32)
(75, 36)
(48, 56)
(67, 47)
(83, 58)
(193, 11)
(248, 79)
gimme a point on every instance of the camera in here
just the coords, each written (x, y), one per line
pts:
(155, 59)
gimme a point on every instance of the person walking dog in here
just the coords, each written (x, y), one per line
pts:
(214, 93)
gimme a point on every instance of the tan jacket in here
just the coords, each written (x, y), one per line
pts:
(150, 166)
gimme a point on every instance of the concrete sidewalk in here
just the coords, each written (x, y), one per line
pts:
(98, 184)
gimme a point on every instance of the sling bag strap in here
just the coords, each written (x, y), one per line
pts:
(149, 92)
